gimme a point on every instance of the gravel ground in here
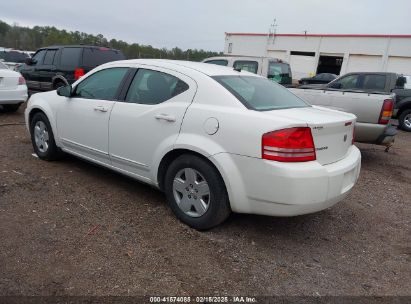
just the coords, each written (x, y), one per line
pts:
(71, 228)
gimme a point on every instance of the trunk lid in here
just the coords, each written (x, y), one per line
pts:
(332, 130)
(8, 79)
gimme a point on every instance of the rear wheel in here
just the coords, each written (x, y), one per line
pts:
(405, 120)
(42, 138)
(196, 192)
(11, 107)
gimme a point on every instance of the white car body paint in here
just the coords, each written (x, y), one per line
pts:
(131, 139)
(10, 90)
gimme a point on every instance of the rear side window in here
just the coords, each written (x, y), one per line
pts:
(93, 57)
(259, 93)
(153, 87)
(374, 82)
(70, 57)
(103, 84)
(49, 58)
(249, 66)
(349, 82)
(218, 62)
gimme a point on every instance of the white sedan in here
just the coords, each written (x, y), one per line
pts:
(13, 89)
(215, 140)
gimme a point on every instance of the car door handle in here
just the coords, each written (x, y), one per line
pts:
(165, 117)
(101, 109)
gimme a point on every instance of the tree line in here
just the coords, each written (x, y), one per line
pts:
(31, 39)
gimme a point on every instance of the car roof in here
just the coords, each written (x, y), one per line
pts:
(77, 46)
(181, 65)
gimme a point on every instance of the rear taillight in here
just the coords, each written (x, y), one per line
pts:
(289, 145)
(386, 111)
(78, 73)
(22, 80)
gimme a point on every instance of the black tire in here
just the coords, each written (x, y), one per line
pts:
(218, 206)
(405, 115)
(52, 152)
(11, 107)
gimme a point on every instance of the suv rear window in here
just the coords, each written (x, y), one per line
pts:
(261, 94)
(249, 66)
(218, 62)
(279, 72)
(93, 57)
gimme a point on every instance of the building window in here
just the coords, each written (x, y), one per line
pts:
(312, 54)
(230, 48)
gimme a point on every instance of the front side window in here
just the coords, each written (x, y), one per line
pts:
(218, 62)
(349, 82)
(38, 57)
(153, 87)
(103, 84)
(49, 57)
(259, 93)
(249, 66)
(374, 82)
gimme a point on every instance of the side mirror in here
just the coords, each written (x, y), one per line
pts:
(65, 91)
(335, 85)
(30, 61)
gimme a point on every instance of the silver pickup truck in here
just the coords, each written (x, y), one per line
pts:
(360, 94)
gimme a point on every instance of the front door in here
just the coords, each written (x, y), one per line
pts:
(82, 120)
(148, 121)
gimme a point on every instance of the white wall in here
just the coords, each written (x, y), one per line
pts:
(391, 54)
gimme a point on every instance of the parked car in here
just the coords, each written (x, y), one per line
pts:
(185, 127)
(13, 89)
(321, 78)
(401, 87)
(272, 68)
(13, 58)
(56, 66)
(363, 94)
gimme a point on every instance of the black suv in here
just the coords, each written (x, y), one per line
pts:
(55, 66)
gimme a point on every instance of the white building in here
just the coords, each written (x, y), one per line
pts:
(309, 54)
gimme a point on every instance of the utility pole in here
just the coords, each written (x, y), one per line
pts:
(272, 31)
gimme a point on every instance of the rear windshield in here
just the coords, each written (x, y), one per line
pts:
(218, 62)
(261, 94)
(93, 57)
(14, 56)
(279, 72)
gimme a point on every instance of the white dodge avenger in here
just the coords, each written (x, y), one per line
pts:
(214, 139)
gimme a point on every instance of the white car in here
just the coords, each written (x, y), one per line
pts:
(215, 140)
(13, 89)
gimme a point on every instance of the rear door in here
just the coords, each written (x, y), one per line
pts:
(148, 120)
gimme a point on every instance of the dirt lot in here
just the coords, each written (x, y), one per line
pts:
(71, 228)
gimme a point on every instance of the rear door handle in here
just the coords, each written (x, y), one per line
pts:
(165, 117)
(101, 109)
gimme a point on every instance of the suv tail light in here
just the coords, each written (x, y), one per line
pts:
(78, 73)
(289, 145)
(386, 111)
(22, 80)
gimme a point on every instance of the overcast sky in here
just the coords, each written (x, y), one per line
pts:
(202, 23)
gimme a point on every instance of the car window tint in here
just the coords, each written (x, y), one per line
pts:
(259, 93)
(153, 87)
(93, 57)
(374, 82)
(38, 57)
(101, 85)
(49, 57)
(249, 66)
(349, 82)
(70, 57)
(218, 62)
(14, 56)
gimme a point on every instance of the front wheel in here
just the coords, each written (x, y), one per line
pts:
(196, 192)
(405, 120)
(42, 138)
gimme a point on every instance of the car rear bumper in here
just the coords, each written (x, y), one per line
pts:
(374, 133)
(286, 189)
(13, 96)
